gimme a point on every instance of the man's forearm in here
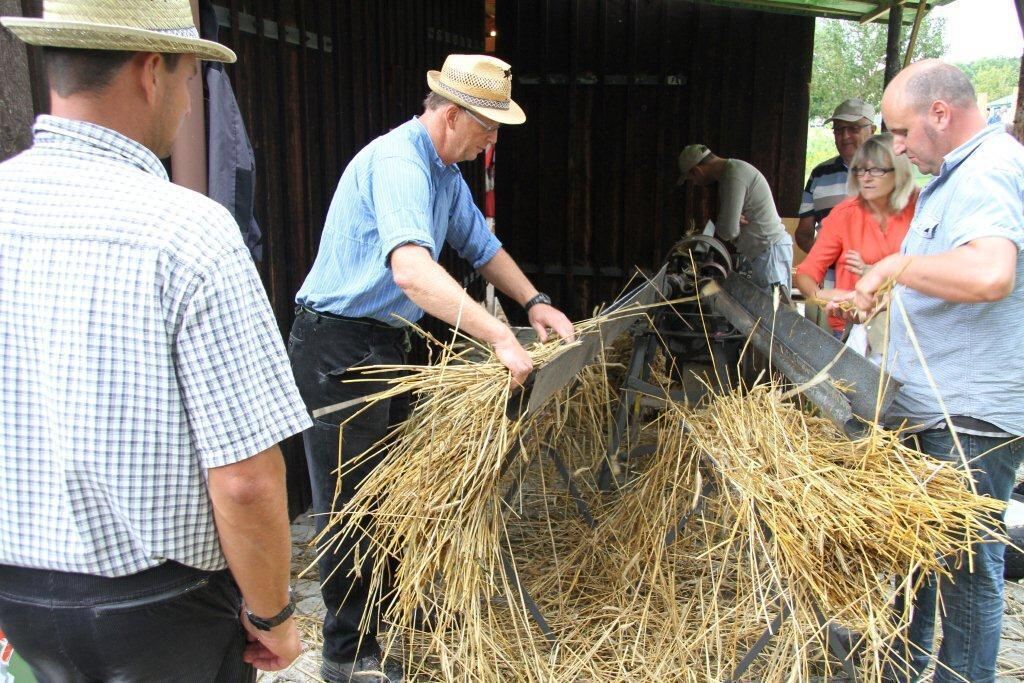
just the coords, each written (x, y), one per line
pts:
(503, 272)
(804, 233)
(251, 511)
(981, 270)
(430, 287)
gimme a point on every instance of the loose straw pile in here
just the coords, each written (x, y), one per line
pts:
(792, 517)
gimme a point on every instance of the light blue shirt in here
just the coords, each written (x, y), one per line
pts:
(395, 191)
(974, 351)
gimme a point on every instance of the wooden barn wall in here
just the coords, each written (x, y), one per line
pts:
(310, 105)
(613, 89)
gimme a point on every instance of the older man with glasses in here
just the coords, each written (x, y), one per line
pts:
(399, 200)
(852, 124)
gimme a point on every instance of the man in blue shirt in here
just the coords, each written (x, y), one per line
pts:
(960, 298)
(398, 201)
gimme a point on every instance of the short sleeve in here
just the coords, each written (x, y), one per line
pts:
(807, 199)
(731, 195)
(401, 203)
(990, 206)
(236, 382)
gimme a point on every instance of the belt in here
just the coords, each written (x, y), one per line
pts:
(966, 422)
(345, 319)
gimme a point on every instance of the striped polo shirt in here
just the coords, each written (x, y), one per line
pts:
(825, 188)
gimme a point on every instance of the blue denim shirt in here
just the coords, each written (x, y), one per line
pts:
(395, 191)
(975, 352)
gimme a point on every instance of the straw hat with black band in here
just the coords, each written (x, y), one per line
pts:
(479, 83)
(164, 26)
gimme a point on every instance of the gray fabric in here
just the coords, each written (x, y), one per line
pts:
(232, 163)
(743, 190)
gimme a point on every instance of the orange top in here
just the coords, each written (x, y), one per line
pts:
(850, 225)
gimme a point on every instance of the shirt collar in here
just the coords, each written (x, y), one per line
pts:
(958, 155)
(84, 136)
(423, 137)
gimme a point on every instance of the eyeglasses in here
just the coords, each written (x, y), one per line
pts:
(489, 127)
(874, 171)
(840, 131)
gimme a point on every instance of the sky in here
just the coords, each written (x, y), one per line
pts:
(980, 28)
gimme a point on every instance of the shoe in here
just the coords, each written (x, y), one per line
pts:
(366, 669)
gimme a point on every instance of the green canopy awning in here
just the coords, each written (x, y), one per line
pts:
(859, 10)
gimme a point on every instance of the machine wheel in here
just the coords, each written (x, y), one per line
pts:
(1014, 561)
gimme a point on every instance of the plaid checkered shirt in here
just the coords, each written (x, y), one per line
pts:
(137, 351)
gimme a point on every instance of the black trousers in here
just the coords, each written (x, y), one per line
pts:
(325, 351)
(169, 623)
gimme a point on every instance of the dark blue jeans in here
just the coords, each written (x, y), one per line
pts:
(973, 600)
(169, 623)
(324, 352)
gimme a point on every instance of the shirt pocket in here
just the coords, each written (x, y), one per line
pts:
(921, 233)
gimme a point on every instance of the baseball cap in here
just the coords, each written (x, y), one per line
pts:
(853, 110)
(690, 157)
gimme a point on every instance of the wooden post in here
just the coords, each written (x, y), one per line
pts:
(16, 112)
(922, 7)
(892, 45)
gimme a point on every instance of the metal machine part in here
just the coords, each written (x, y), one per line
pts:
(697, 339)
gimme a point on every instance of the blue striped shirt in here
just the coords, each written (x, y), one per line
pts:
(972, 350)
(395, 191)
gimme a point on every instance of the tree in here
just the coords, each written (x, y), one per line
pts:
(993, 76)
(849, 60)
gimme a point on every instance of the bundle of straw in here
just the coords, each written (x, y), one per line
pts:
(784, 514)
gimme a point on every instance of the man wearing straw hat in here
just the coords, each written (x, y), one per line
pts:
(746, 215)
(143, 524)
(399, 200)
(956, 338)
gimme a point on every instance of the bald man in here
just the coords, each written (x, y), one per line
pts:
(958, 288)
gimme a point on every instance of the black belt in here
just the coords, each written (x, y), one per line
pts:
(971, 423)
(345, 319)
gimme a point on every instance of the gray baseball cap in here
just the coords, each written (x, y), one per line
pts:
(690, 157)
(853, 110)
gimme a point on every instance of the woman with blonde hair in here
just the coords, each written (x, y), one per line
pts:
(864, 228)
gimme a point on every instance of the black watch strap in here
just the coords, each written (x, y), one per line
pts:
(541, 298)
(276, 620)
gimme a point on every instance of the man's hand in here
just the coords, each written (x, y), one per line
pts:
(514, 357)
(271, 650)
(544, 317)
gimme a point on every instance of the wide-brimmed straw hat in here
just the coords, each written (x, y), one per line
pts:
(480, 83)
(132, 25)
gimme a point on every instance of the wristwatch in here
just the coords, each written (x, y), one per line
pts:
(276, 620)
(541, 298)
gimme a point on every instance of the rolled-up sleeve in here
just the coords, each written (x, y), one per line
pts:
(826, 250)
(731, 194)
(401, 200)
(467, 230)
(990, 206)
